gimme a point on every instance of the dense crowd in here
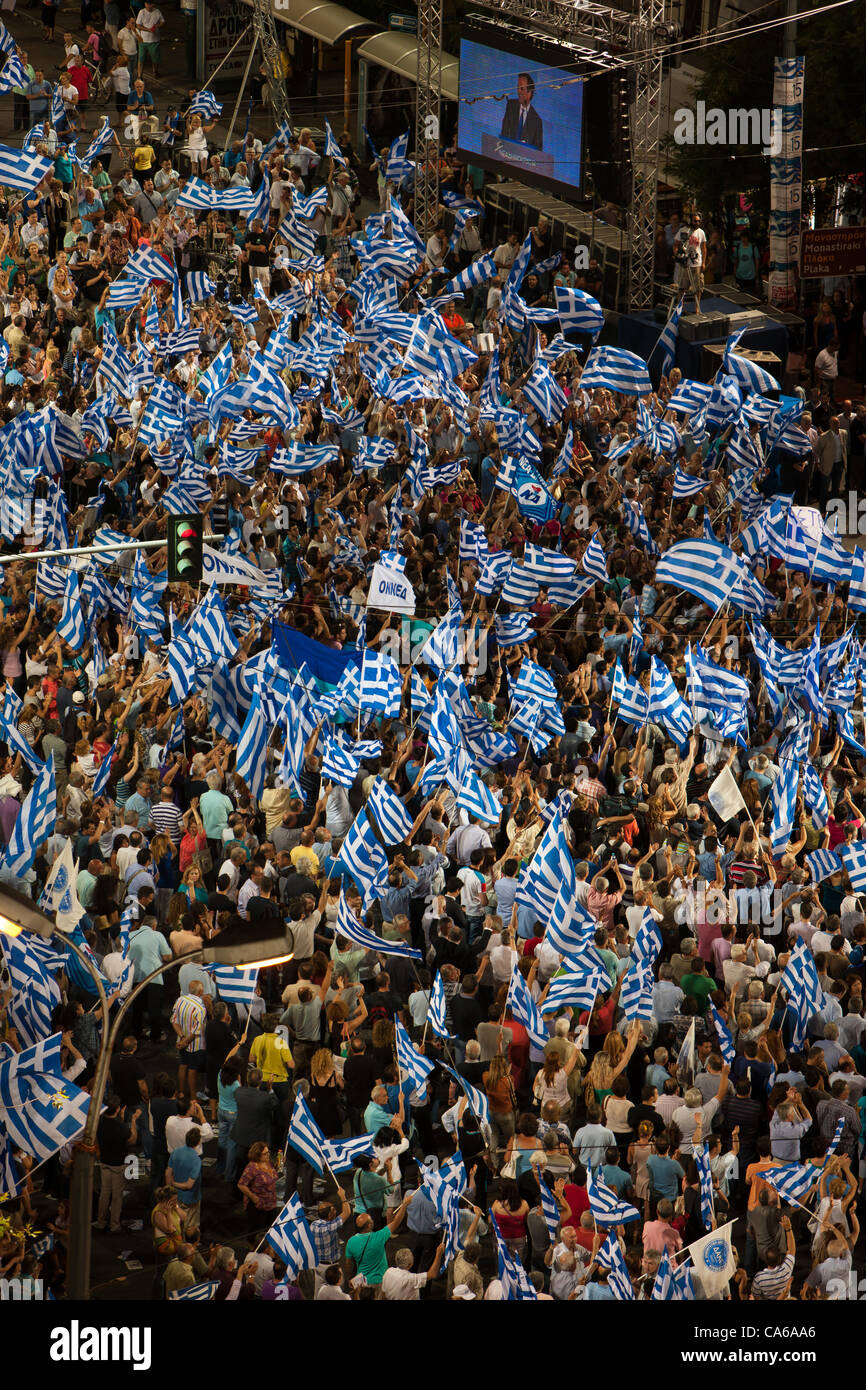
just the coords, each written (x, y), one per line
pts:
(176, 844)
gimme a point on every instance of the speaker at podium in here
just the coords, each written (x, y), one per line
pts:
(525, 157)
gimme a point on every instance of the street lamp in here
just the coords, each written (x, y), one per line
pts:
(252, 946)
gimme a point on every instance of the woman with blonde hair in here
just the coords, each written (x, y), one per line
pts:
(63, 292)
(324, 1098)
(192, 885)
(607, 1064)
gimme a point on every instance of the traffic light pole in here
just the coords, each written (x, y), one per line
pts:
(115, 548)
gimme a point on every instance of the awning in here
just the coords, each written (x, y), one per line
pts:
(323, 20)
(399, 53)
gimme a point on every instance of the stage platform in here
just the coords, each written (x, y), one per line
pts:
(640, 332)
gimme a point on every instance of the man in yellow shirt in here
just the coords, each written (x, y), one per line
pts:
(271, 1053)
(303, 856)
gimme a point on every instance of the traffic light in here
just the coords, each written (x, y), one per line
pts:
(185, 549)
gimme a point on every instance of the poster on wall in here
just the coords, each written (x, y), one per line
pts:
(786, 181)
(221, 24)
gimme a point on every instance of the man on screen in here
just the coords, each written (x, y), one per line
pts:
(521, 121)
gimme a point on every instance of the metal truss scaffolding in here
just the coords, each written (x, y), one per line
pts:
(645, 133)
(265, 31)
(427, 115)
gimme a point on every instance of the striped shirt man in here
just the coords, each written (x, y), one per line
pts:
(189, 1016)
(771, 1283)
(168, 820)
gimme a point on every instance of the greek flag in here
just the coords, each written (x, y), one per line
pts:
(636, 522)
(205, 104)
(606, 1207)
(234, 984)
(34, 823)
(281, 137)
(338, 765)
(250, 761)
(673, 1283)
(794, 1181)
(40, 1111)
(550, 1210)
(574, 989)
(72, 627)
(478, 1102)
(594, 560)
(304, 1135)
(475, 274)
(103, 773)
(853, 858)
(702, 1162)
(668, 340)
(200, 286)
(610, 1257)
(685, 485)
(617, 370)
(22, 169)
(636, 997)
(578, 312)
(208, 629)
(666, 705)
(525, 1010)
(291, 1238)
(409, 1060)
(516, 1285)
(198, 195)
(363, 856)
(723, 1033)
(196, 1293)
(390, 813)
(783, 798)
(437, 1009)
(801, 984)
(822, 864)
(349, 926)
(542, 391)
(748, 374)
(711, 572)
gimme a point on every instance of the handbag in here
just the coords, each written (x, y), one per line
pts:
(509, 1168)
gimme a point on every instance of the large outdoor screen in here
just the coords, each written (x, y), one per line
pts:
(519, 117)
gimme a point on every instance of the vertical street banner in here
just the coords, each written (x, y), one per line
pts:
(221, 25)
(786, 181)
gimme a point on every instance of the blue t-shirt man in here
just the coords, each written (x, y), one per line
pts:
(185, 1163)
